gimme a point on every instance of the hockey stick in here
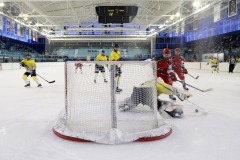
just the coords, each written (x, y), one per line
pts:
(193, 76)
(206, 90)
(197, 108)
(180, 95)
(45, 79)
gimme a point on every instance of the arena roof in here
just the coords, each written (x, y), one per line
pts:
(63, 19)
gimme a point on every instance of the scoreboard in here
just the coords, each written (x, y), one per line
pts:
(116, 14)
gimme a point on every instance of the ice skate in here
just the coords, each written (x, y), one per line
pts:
(105, 81)
(118, 90)
(39, 85)
(27, 85)
(185, 88)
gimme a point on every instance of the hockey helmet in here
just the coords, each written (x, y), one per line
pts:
(28, 54)
(103, 51)
(166, 53)
(116, 46)
(177, 51)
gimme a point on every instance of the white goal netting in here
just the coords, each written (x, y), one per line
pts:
(100, 111)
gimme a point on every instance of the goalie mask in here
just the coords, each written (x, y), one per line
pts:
(166, 53)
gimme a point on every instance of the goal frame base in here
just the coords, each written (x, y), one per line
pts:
(143, 139)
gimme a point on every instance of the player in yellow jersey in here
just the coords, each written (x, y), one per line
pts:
(115, 55)
(99, 67)
(214, 64)
(30, 66)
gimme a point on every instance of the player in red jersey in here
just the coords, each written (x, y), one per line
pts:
(79, 65)
(164, 69)
(178, 67)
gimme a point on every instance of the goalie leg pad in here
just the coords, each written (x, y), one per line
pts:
(140, 95)
(143, 95)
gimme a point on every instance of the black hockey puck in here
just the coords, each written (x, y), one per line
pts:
(196, 110)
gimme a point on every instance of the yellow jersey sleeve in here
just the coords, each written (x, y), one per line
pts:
(101, 58)
(114, 56)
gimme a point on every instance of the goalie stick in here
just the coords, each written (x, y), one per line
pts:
(193, 76)
(197, 108)
(45, 79)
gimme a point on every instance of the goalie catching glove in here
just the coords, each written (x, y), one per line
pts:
(173, 76)
(185, 71)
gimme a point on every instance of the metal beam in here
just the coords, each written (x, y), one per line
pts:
(171, 8)
(32, 6)
(103, 29)
(136, 1)
(89, 15)
(97, 39)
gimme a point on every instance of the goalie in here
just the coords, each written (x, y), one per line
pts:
(142, 95)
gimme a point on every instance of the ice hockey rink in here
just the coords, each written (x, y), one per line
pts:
(27, 116)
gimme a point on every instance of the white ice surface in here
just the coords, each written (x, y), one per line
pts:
(28, 114)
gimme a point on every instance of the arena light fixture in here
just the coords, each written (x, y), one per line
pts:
(151, 30)
(160, 26)
(1, 4)
(177, 14)
(181, 19)
(196, 4)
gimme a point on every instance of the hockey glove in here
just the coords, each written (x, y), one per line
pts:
(173, 76)
(185, 71)
(33, 72)
(22, 64)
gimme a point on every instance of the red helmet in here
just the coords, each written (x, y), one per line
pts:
(177, 50)
(166, 53)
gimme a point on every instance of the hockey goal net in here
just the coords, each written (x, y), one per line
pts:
(96, 111)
